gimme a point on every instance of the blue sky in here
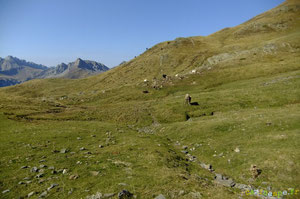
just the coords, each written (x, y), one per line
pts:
(111, 31)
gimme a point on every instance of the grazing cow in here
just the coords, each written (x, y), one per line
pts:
(187, 99)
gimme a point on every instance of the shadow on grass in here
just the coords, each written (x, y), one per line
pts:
(194, 104)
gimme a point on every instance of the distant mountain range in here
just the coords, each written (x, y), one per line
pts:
(14, 71)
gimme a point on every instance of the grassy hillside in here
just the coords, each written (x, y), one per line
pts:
(245, 80)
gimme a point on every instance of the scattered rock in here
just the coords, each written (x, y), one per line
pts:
(181, 192)
(98, 195)
(43, 195)
(218, 176)
(6, 191)
(206, 166)
(237, 150)
(118, 162)
(250, 180)
(124, 194)
(241, 186)
(195, 195)
(191, 157)
(73, 177)
(24, 167)
(43, 166)
(185, 152)
(160, 196)
(51, 168)
(64, 150)
(94, 173)
(21, 182)
(100, 146)
(34, 170)
(93, 136)
(82, 149)
(122, 184)
(78, 162)
(40, 175)
(71, 191)
(227, 182)
(52, 186)
(88, 152)
(78, 138)
(31, 194)
(108, 195)
(65, 171)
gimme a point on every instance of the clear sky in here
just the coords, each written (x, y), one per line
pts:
(111, 31)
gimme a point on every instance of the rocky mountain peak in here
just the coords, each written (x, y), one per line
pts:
(14, 70)
(88, 65)
(78, 61)
(61, 68)
(9, 57)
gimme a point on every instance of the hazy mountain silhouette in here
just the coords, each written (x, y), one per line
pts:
(14, 70)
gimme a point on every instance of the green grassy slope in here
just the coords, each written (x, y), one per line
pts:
(247, 76)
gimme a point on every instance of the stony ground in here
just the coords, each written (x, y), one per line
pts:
(62, 152)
